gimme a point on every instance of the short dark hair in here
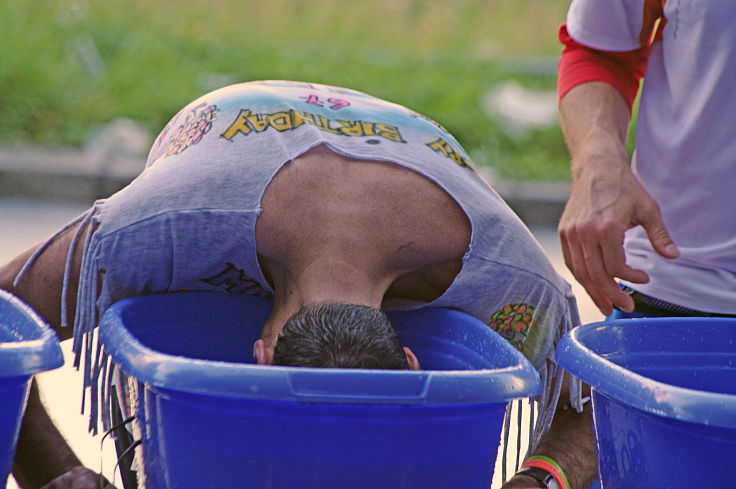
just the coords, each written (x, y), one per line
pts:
(339, 335)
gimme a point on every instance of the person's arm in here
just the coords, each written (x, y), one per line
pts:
(597, 90)
(570, 442)
(606, 198)
(40, 441)
(43, 457)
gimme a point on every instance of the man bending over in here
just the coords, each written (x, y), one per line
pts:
(337, 205)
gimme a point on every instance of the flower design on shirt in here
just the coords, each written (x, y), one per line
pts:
(512, 322)
(197, 124)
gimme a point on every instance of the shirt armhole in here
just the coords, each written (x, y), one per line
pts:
(579, 64)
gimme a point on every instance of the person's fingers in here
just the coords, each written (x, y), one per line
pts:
(604, 289)
(621, 300)
(595, 256)
(614, 259)
(603, 285)
(572, 250)
(650, 218)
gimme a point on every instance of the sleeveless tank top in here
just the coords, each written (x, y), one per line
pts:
(187, 222)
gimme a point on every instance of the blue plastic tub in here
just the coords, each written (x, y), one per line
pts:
(664, 399)
(209, 417)
(27, 346)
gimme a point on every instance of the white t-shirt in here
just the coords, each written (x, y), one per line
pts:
(685, 141)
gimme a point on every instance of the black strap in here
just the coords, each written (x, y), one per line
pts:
(652, 306)
(123, 443)
(542, 476)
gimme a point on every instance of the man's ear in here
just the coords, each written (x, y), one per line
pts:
(411, 359)
(261, 354)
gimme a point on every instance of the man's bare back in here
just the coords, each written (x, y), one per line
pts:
(374, 215)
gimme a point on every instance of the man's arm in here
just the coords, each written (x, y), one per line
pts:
(606, 198)
(43, 457)
(41, 441)
(570, 442)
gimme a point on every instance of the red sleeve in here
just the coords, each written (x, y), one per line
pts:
(579, 64)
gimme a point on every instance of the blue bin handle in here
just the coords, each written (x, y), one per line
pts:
(383, 386)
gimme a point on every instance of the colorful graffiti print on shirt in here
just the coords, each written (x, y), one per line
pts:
(251, 122)
(512, 322)
(443, 147)
(197, 124)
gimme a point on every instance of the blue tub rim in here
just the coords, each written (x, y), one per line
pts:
(36, 347)
(177, 373)
(636, 390)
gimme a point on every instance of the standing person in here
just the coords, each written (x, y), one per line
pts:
(334, 203)
(665, 224)
(656, 237)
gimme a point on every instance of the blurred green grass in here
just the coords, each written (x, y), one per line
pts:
(68, 65)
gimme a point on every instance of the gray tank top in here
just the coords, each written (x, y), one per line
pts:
(188, 221)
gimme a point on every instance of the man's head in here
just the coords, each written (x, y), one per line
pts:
(341, 335)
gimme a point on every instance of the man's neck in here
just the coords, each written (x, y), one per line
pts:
(328, 279)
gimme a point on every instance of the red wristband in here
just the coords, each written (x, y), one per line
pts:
(548, 465)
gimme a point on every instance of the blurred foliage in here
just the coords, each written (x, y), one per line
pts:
(68, 65)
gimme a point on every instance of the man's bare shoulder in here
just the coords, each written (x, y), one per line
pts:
(325, 199)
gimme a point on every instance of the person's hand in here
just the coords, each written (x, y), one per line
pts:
(79, 478)
(606, 200)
